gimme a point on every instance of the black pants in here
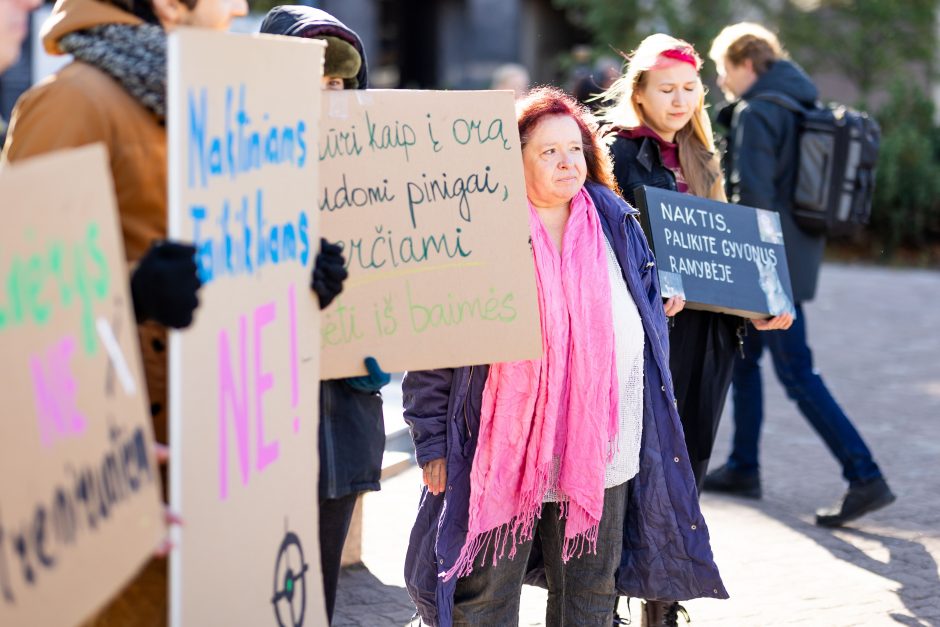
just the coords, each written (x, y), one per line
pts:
(335, 516)
(702, 349)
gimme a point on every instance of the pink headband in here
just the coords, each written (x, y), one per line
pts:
(686, 55)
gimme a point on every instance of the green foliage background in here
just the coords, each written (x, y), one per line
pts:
(877, 45)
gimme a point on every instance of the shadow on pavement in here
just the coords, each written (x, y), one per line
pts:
(909, 563)
(363, 600)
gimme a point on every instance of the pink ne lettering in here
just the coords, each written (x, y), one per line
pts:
(230, 394)
(294, 375)
(267, 453)
(234, 403)
(55, 389)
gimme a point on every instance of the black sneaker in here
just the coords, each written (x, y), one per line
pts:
(730, 481)
(858, 501)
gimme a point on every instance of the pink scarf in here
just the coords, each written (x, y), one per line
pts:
(561, 407)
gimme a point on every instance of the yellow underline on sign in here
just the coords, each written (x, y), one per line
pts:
(372, 278)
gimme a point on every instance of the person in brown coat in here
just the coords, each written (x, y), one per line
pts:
(114, 92)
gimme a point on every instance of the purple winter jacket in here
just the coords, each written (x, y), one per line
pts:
(666, 553)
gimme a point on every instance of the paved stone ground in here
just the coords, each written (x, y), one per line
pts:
(875, 336)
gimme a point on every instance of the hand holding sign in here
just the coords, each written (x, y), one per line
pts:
(374, 381)
(778, 323)
(673, 305)
(164, 285)
(328, 273)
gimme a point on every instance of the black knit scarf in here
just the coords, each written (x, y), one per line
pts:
(133, 55)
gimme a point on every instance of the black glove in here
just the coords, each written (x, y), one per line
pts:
(374, 381)
(329, 272)
(164, 285)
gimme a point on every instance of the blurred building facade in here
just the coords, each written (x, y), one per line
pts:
(456, 44)
(417, 44)
(444, 44)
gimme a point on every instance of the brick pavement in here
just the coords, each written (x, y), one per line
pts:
(874, 335)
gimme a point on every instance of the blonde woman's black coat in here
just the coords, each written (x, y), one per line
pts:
(702, 343)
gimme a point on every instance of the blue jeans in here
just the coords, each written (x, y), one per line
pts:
(793, 362)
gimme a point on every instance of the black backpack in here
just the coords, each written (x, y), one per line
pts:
(835, 181)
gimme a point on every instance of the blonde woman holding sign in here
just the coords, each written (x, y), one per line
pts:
(660, 136)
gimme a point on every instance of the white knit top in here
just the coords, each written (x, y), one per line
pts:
(628, 344)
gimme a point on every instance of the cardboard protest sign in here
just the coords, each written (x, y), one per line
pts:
(244, 378)
(80, 510)
(425, 192)
(718, 256)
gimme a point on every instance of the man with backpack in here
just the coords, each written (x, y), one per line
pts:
(771, 100)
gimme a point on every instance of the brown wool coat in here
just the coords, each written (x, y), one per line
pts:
(82, 105)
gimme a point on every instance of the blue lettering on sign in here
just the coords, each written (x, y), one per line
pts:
(247, 143)
(240, 240)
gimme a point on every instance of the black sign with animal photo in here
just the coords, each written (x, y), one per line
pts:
(718, 256)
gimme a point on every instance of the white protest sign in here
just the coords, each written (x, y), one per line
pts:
(80, 507)
(425, 191)
(244, 378)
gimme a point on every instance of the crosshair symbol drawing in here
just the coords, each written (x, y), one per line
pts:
(290, 586)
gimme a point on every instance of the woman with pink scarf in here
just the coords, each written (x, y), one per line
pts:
(577, 452)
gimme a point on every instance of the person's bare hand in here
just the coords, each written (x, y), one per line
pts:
(161, 452)
(435, 475)
(166, 545)
(170, 518)
(778, 323)
(673, 306)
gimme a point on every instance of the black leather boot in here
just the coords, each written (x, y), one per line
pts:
(734, 482)
(662, 614)
(860, 499)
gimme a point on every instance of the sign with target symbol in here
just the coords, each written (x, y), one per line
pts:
(290, 586)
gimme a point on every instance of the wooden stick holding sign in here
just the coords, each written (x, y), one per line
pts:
(80, 509)
(425, 191)
(244, 378)
(718, 256)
